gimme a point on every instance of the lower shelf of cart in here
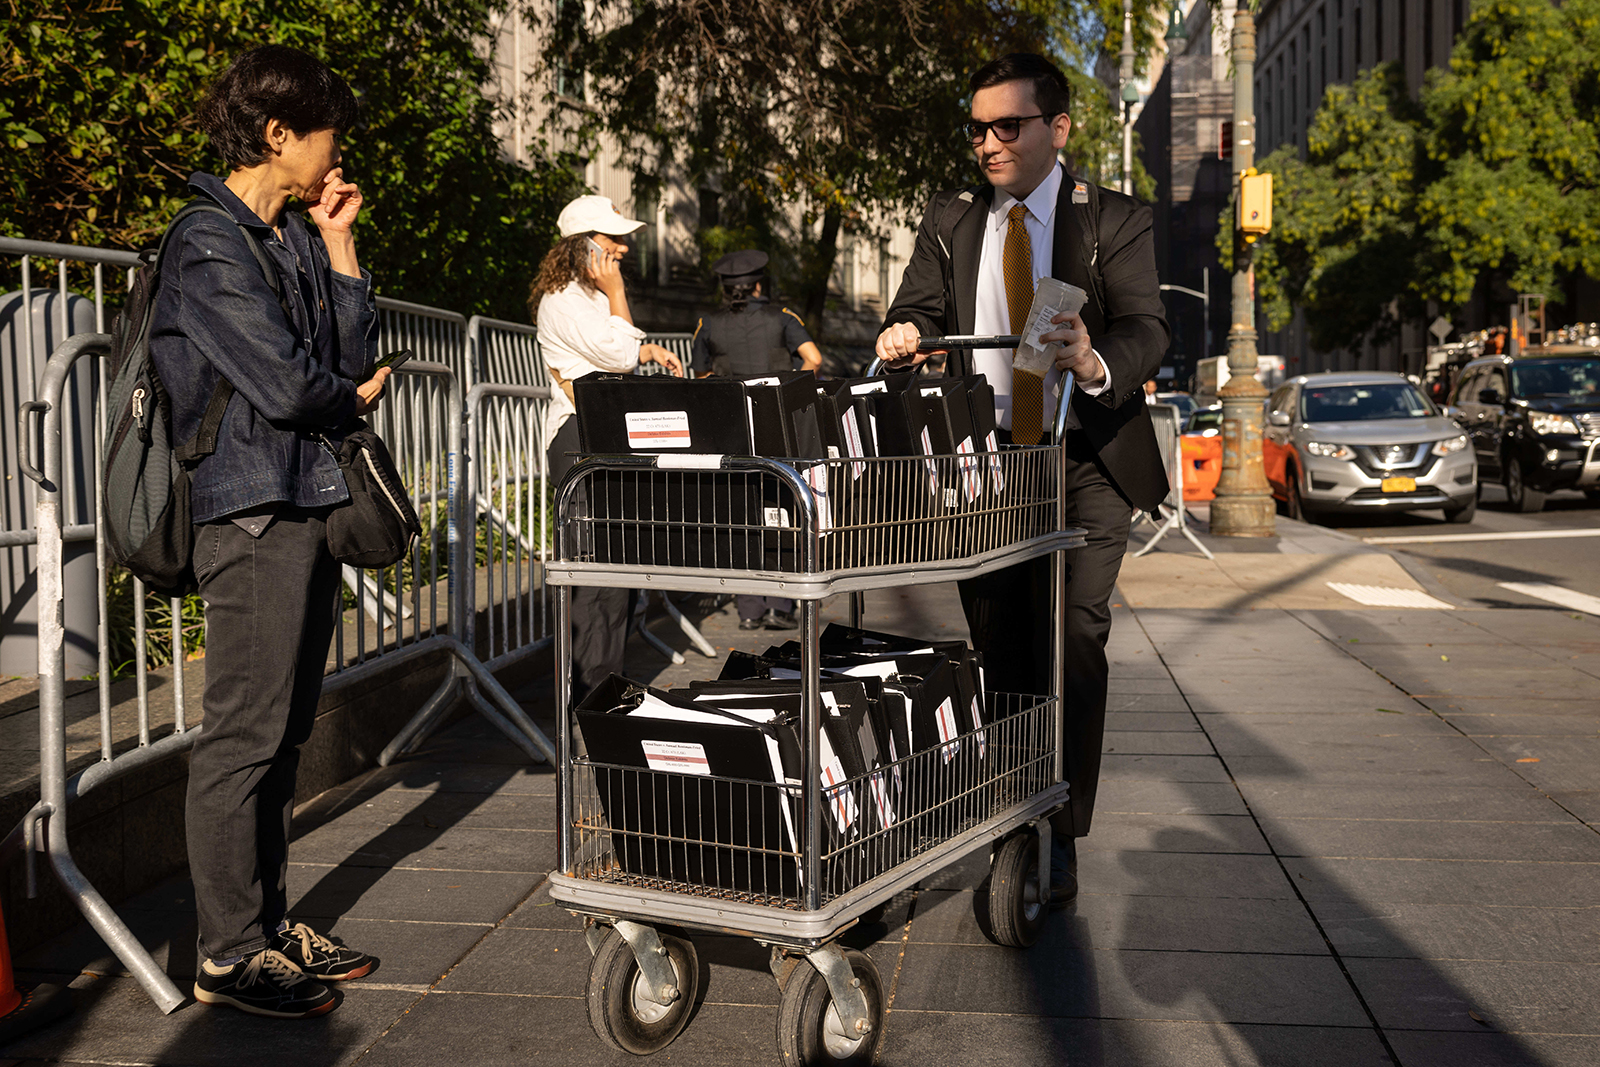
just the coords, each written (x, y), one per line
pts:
(625, 896)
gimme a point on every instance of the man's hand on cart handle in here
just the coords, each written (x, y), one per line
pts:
(899, 346)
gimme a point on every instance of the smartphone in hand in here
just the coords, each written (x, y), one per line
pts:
(394, 361)
(594, 246)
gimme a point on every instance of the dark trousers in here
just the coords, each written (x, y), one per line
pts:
(1009, 615)
(600, 617)
(269, 620)
(753, 607)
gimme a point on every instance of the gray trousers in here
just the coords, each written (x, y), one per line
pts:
(269, 620)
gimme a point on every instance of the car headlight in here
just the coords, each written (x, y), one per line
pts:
(1449, 445)
(1548, 422)
(1319, 448)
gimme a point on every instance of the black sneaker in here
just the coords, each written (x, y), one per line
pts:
(310, 953)
(752, 624)
(780, 620)
(265, 984)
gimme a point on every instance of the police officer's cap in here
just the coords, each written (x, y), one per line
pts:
(743, 267)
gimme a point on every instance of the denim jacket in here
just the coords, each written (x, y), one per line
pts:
(294, 376)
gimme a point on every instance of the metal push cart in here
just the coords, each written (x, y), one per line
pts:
(649, 855)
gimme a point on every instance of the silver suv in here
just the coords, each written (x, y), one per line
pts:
(1352, 442)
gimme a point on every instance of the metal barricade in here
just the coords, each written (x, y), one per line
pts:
(433, 334)
(424, 410)
(679, 344)
(505, 353)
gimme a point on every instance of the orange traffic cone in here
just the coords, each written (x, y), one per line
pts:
(22, 1010)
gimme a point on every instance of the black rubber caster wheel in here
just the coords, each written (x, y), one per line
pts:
(1016, 913)
(622, 1015)
(809, 1029)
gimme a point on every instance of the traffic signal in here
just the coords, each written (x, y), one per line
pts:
(1255, 202)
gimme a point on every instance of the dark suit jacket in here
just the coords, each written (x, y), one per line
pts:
(1114, 262)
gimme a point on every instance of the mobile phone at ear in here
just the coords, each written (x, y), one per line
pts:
(595, 246)
(394, 360)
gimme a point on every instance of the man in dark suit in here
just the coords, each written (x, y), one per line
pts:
(978, 255)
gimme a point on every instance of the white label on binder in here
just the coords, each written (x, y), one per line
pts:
(880, 797)
(869, 387)
(762, 381)
(946, 717)
(834, 790)
(852, 441)
(777, 516)
(977, 726)
(695, 462)
(994, 463)
(817, 478)
(950, 500)
(933, 468)
(682, 757)
(931, 392)
(650, 430)
(833, 451)
(971, 476)
(831, 702)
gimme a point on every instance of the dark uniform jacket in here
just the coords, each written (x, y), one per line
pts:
(759, 338)
(1105, 247)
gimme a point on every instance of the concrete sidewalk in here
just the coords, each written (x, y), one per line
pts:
(1326, 835)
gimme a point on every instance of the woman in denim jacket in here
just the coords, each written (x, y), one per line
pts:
(300, 362)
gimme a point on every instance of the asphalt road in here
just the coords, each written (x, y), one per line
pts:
(1474, 569)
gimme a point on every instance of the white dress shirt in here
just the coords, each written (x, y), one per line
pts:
(992, 315)
(578, 335)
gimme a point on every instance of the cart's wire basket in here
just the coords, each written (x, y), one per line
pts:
(807, 516)
(741, 840)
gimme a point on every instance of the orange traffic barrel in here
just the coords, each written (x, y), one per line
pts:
(1202, 466)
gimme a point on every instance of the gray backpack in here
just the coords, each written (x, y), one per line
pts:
(145, 480)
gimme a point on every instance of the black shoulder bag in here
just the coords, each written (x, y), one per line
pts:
(377, 525)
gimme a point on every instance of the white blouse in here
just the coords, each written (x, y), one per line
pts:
(578, 335)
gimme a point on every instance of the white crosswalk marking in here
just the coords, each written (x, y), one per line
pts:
(1555, 594)
(1509, 535)
(1381, 596)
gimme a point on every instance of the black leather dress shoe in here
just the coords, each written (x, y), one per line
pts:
(753, 624)
(780, 620)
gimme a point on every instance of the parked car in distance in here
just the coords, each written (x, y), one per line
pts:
(1207, 421)
(1357, 442)
(1534, 423)
(1182, 401)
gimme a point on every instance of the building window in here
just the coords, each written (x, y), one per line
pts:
(1401, 54)
(1377, 31)
(647, 242)
(1305, 49)
(1457, 17)
(1427, 34)
(1358, 34)
(1294, 89)
(1338, 40)
(710, 203)
(569, 32)
(1322, 47)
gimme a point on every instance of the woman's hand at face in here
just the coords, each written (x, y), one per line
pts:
(656, 354)
(340, 203)
(369, 392)
(606, 270)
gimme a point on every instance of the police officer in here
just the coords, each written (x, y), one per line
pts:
(751, 336)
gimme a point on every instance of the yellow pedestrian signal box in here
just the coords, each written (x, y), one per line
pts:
(1255, 202)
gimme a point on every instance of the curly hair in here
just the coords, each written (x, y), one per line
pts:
(567, 261)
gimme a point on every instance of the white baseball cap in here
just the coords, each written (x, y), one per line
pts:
(595, 214)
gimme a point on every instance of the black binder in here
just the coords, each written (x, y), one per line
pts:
(784, 415)
(630, 413)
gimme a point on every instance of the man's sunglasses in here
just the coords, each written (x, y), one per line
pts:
(1005, 130)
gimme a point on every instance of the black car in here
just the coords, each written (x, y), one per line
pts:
(1534, 422)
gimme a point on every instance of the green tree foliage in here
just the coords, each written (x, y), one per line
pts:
(836, 111)
(1494, 170)
(96, 103)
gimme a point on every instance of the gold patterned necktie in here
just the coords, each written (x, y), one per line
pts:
(1027, 388)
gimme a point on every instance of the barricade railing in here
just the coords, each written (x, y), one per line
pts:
(433, 334)
(505, 353)
(679, 344)
(425, 410)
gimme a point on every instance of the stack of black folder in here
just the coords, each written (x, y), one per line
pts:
(903, 741)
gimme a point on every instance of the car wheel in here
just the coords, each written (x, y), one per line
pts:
(1523, 498)
(1465, 513)
(1295, 505)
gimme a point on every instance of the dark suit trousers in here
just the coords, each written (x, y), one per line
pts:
(1008, 613)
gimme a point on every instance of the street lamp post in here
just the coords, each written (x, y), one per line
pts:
(1130, 96)
(1205, 297)
(1244, 505)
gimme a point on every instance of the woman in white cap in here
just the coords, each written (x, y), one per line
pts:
(581, 307)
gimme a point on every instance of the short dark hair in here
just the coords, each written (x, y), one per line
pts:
(273, 81)
(1051, 92)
